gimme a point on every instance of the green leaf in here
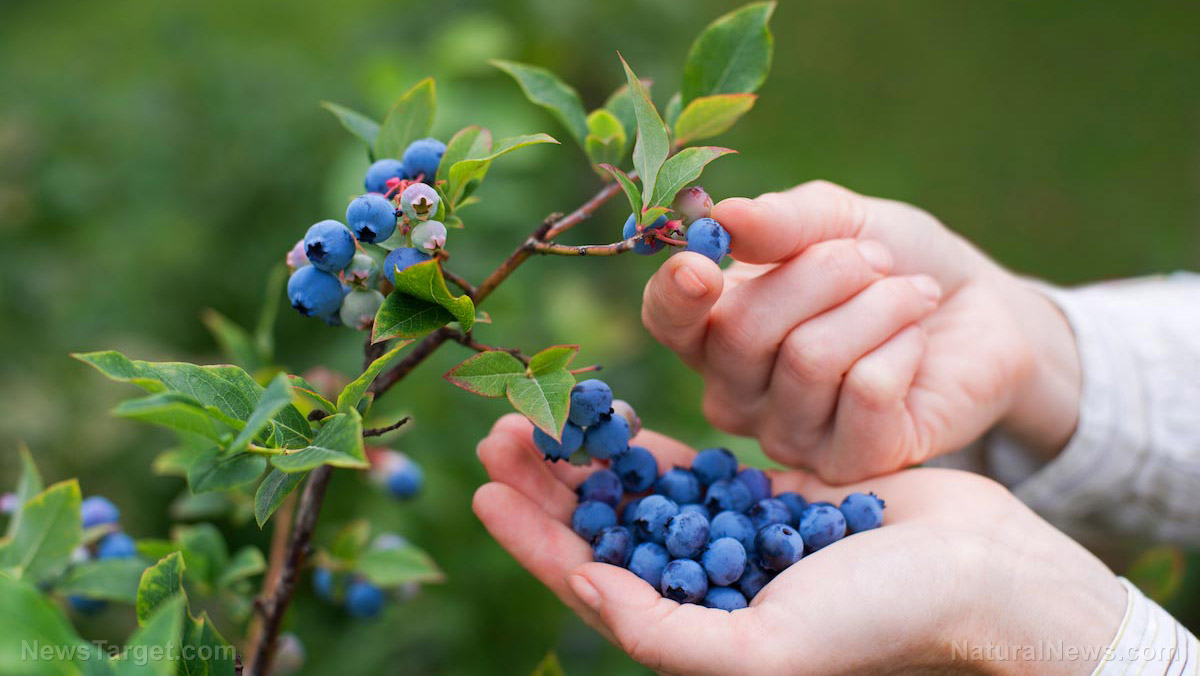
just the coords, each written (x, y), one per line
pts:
(683, 168)
(173, 410)
(106, 579)
(671, 112)
(203, 639)
(215, 471)
(154, 649)
(50, 528)
(247, 562)
(709, 116)
(543, 399)
(307, 391)
(651, 214)
(204, 552)
(472, 141)
(29, 485)
(338, 443)
(364, 128)
(29, 618)
(487, 373)
(353, 393)
(605, 143)
(350, 540)
(276, 396)
(554, 358)
(396, 567)
(235, 342)
(653, 144)
(627, 186)
(410, 118)
(159, 584)
(620, 104)
(273, 491)
(464, 172)
(549, 666)
(421, 303)
(264, 332)
(732, 55)
(546, 90)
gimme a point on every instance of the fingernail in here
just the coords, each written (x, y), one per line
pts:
(585, 591)
(927, 286)
(689, 282)
(876, 255)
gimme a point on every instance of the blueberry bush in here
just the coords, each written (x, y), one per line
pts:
(264, 442)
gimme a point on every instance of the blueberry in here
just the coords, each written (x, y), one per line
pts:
(359, 308)
(592, 517)
(680, 485)
(725, 598)
(422, 157)
(429, 236)
(372, 217)
(629, 512)
(322, 580)
(589, 400)
(695, 507)
(613, 545)
(314, 293)
(692, 204)
(647, 245)
(863, 511)
(329, 246)
(621, 408)
(405, 480)
(753, 579)
(402, 258)
(768, 511)
(778, 546)
(419, 202)
(86, 606)
(714, 464)
(683, 580)
(363, 599)
(572, 440)
(757, 481)
(795, 502)
(687, 535)
(637, 468)
(724, 561)
(602, 486)
(608, 438)
(707, 238)
(730, 524)
(98, 510)
(648, 561)
(379, 173)
(116, 546)
(821, 524)
(653, 513)
(728, 494)
(389, 541)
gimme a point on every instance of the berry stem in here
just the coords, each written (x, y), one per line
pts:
(663, 237)
(586, 369)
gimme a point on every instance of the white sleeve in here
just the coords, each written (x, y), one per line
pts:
(1149, 642)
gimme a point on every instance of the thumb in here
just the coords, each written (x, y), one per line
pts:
(777, 226)
(677, 301)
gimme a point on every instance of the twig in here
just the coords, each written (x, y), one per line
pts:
(461, 282)
(468, 341)
(380, 431)
(550, 248)
(373, 351)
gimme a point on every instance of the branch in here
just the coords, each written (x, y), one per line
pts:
(461, 282)
(466, 340)
(550, 248)
(380, 431)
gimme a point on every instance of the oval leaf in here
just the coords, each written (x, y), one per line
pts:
(554, 358)
(353, 393)
(472, 141)
(338, 443)
(653, 144)
(159, 583)
(106, 580)
(410, 118)
(545, 89)
(396, 567)
(362, 127)
(732, 55)
(487, 373)
(543, 399)
(709, 116)
(50, 529)
(685, 167)
(627, 186)
(469, 172)
(420, 303)
(273, 491)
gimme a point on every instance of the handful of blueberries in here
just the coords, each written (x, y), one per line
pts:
(710, 534)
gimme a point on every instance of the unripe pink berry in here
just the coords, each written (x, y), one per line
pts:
(692, 204)
(420, 202)
(622, 408)
(296, 258)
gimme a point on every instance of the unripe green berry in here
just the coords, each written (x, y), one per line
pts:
(363, 271)
(429, 236)
(359, 308)
(420, 202)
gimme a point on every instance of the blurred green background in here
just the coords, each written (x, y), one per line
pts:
(159, 158)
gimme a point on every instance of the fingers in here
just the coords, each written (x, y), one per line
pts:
(676, 302)
(777, 226)
(510, 457)
(660, 633)
(816, 356)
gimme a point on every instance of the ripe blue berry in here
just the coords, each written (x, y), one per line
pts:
(778, 546)
(683, 580)
(863, 511)
(821, 524)
(768, 511)
(329, 246)
(613, 545)
(694, 507)
(680, 485)
(315, 293)
(707, 238)
(359, 308)
(322, 580)
(724, 561)
(692, 204)
(422, 157)
(372, 217)
(621, 408)
(648, 561)
(592, 517)
(116, 546)
(637, 468)
(653, 513)
(603, 486)
(572, 440)
(757, 481)
(401, 259)
(97, 510)
(363, 599)
(730, 524)
(608, 438)
(429, 236)
(629, 512)
(687, 535)
(714, 464)
(589, 400)
(796, 504)
(647, 245)
(419, 202)
(379, 173)
(405, 480)
(753, 579)
(86, 606)
(728, 494)
(724, 598)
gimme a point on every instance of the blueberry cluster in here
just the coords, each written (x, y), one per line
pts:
(396, 473)
(335, 278)
(597, 426)
(99, 513)
(702, 234)
(357, 595)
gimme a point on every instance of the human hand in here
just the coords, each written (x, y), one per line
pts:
(958, 562)
(857, 336)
